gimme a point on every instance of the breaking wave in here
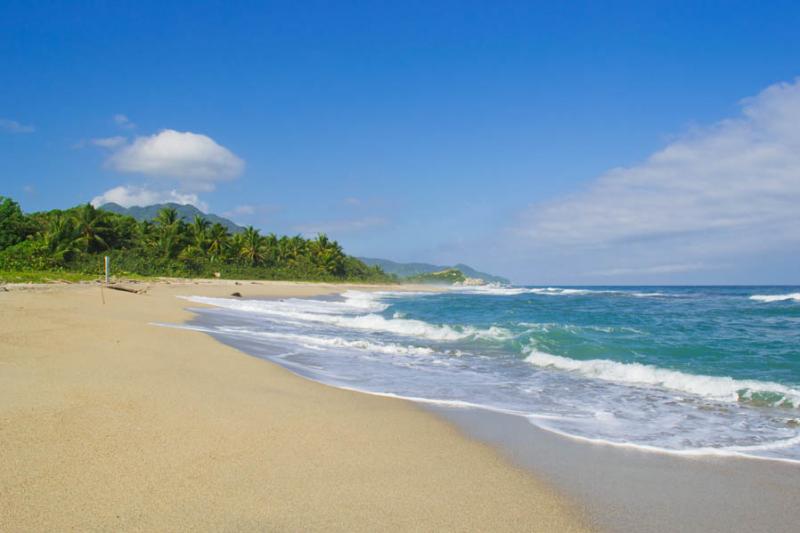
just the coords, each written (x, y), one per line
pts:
(712, 387)
(767, 298)
(344, 314)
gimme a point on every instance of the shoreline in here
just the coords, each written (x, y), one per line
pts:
(109, 422)
(625, 489)
(621, 487)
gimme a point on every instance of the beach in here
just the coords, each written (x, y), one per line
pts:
(641, 445)
(109, 422)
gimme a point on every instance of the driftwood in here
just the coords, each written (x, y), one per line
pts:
(126, 289)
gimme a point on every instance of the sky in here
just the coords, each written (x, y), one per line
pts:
(550, 142)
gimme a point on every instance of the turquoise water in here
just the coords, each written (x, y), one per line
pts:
(687, 370)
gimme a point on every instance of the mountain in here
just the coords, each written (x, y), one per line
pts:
(405, 270)
(187, 213)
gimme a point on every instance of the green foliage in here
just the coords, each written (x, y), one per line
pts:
(448, 276)
(14, 226)
(405, 270)
(76, 240)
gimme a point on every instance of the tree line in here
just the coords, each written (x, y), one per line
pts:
(76, 240)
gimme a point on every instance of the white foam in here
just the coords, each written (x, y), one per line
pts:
(767, 298)
(326, 313)
(315, 342)
(504, 290)
(749, 452)
(712, 387)
(492, 289)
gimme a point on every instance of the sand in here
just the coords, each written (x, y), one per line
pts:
(108, 422)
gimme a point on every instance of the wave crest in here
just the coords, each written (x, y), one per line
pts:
(718, 388)
(346, 315)
(768, 298)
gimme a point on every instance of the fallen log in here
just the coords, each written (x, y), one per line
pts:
(127, 289)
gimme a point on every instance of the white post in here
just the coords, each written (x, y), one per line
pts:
(107, 269)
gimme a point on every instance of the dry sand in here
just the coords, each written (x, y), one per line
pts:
(110, 423)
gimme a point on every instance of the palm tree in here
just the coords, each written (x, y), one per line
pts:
(218, 242)
(252, 246)
(91, 224)
(290, 250)
(199, 230)
(270, 249)
(327, 255)
(167, 217)
(62, 238)
(169, 233)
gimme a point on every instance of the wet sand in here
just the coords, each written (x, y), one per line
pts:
(630, 490)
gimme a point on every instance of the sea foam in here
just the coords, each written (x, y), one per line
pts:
(717, 388)
(767, 298)
(504, 290)
(345, 314)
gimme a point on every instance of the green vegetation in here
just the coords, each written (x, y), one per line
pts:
(405, 270)
(71, 243)
(447, 276)
(44, 276)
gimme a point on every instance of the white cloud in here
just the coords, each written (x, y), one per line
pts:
(12, 126)
(195, 160)
(123, 121)
(340, 226)
(127, 196)
(722, 191)
(109, 142)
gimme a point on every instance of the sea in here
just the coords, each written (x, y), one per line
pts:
(678, 370)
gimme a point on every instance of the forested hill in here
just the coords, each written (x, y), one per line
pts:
(407, 270)
(186, 212)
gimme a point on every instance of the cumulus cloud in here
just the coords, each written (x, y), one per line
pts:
(128, 196)
(12, 126)
(720, 191)
(194, 159)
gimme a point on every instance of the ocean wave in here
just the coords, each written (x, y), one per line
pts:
(322, 343)
(504, 290)
(491, 289)
(767, 298)
(712, 387)
(556, 291)
(318, 311)
(546, 327)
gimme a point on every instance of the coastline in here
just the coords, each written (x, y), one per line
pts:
(624, 489)
(620, 487)
(108, 422)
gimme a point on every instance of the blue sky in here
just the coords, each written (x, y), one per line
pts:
(634, 142)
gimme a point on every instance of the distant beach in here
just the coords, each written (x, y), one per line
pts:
(112, 423)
